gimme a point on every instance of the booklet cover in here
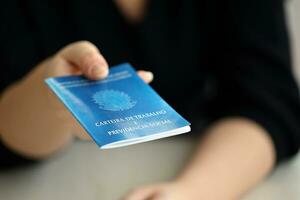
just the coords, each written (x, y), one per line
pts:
(119, 110)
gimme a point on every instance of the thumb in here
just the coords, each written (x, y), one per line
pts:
(86, 57)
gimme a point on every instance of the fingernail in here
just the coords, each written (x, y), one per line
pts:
(98, 71)
(149, 75)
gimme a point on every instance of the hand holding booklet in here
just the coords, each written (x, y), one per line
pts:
(119, 110)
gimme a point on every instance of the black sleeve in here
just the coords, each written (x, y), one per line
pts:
(253, 70)
(17, 56)
(10, 160)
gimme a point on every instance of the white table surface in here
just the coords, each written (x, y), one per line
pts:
(82, 171)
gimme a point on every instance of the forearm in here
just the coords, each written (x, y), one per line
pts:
(33, 121)
(233, 157)
(27, 124)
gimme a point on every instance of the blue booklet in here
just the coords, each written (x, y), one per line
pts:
(119, 110)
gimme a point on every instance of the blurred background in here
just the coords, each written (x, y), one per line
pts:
(293, 8)
(84, 172)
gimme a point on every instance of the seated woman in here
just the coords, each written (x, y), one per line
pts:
(223, 64)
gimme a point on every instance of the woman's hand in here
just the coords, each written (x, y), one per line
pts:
(33, 122)
(78, 58)
(234, 155)
(166, 191)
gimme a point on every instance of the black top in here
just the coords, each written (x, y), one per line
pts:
(211, 58)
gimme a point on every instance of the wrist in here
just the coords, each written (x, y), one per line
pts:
(29, 124)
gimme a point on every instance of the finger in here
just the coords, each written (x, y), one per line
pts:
(79, 132)
(142, 194)
(86, 57)
(146, 75)
(57, 66)
(158, 197)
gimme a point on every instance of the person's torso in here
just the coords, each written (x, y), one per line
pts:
(173, 40)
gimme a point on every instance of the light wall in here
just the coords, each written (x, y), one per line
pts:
(293, 8)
